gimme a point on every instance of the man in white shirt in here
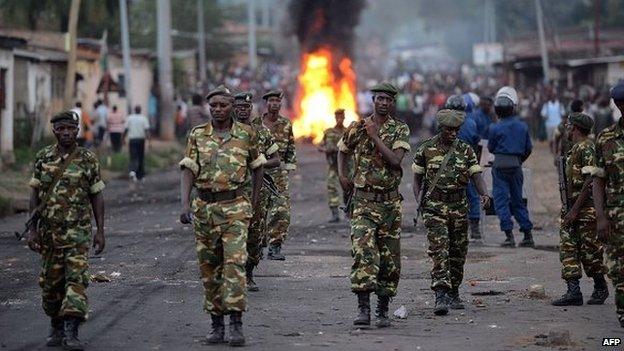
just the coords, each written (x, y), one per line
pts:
(137, 130)
(552, 111)
(101, 117)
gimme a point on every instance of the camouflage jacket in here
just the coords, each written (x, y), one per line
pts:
(69, 204)
(331, 137)
(460, 167)
(610, 163)
(580, 161)
(370, 169)
(222, 164)
(267, 145)
(283, 135)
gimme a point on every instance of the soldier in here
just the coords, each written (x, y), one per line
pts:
(579, 244)
(66, 186)
(329, 146)
(378, 144)
(278, 218)
(443, 166)
(219, 157)
(268, 148)
(510, 143)
(608, 192)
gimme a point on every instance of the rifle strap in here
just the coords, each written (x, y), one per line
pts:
(57, 177)
(442, 168)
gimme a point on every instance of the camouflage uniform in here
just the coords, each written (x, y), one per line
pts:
(65, 229)
(579, 243)
(278, 216)
(331, 137)
(375, 225)
(446, 221)
(610, 166)
(222, 163)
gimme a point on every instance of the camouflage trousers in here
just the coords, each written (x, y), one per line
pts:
(376, 246)
(220, 238)
(447, 234)
(278, 216)
(333, 187)
(580, 246)
(615, 257)
(64, 279)
(257, 238)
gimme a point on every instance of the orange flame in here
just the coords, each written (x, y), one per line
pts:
(321, 92)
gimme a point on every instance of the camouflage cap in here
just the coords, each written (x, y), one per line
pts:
(65, 116)
(617, 92)
(581, 121)
(339, 110)
(385, 87)
(277, 93)
(245, 97)
(220, 90)
(450, 118)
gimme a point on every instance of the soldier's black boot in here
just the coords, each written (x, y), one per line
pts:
(441, 302)
(57, 332)
(509, 239)
(601, 291)
(528, 240)
(275, 252)
(363, 317)
(456, 302)
(383, 321)
(217, 335)
(335, 218)
(251, 284)
(572, 297)
(475, 229)
(236, 329)
(70, 341)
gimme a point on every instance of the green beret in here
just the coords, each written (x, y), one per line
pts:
(243, 97)
(385, 88)
(450, 118)
(277, 92)
(65, 116)
(581, 120)
(220, 90)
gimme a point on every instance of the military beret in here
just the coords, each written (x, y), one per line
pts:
(385, 87)
(450, 118)
(581, 120)
(617, 92)
(65, 116)
(220, 90)
(339, 110)
(277, 93)
(243, 97)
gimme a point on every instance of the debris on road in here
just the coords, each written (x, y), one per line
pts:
(401, 312)
(100, 278)
(537, 291)
(554, 339)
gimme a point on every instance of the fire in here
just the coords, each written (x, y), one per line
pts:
(322, 89)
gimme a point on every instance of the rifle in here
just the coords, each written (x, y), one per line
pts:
(421, 200)
(563, 183)
(269, 183)
(347, 208)
(33, 220)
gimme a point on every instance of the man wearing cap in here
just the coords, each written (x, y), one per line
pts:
(579, 244)
(511, 145)
(66, 187)
(446, 164)
(278, 217)
(219, 159)
(608, 192)
(378, 144)
(268, 148)
(329, 146)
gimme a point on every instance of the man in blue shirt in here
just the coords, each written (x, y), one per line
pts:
(510, 143)
(484, 116)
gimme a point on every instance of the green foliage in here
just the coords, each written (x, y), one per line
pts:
(115, 162)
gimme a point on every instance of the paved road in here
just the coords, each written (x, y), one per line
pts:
(304, 303)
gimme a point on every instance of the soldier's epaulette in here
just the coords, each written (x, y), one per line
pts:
(247, 128)
(200, 126)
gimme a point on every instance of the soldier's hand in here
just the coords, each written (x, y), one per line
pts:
(371, 128)
(346, 184)
(603, 227)
(485, 201)
(186, 217)
(34, 240)
(570, 217)
(99, 242)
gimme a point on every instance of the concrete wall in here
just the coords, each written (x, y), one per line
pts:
(6, 115)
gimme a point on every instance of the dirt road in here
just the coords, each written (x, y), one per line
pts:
(153, 301)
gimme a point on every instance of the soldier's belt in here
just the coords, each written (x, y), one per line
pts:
(455, 196)
(377, 196)
(217, 196)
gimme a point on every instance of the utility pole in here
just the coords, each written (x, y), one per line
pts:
(596, 27)
(251, 25)
(70, 76)
(266, 20)
(542, 41)
(163, 10)
(125, 47)
(201, 41)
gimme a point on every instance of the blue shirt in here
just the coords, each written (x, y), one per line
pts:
(483, 121)
(468, 131)
(510, 136)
